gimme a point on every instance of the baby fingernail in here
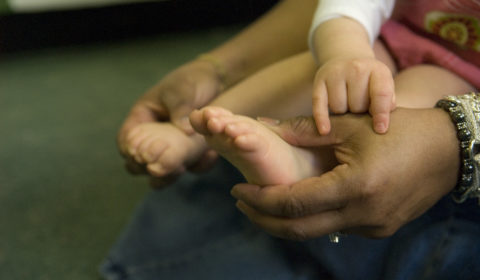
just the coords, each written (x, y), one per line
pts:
(380, 128)
(324, 129)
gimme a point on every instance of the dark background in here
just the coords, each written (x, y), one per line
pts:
(67, 80)
(122, 22)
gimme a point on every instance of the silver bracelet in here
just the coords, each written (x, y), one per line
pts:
(464, 111)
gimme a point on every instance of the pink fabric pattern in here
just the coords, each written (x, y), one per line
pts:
(409, 49)
(441, 32)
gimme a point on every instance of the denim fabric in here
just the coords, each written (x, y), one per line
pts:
(192, 230)
(444, 243)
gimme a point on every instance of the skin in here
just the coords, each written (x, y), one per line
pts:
(156, 147)
(197, 82)
(350, 79)
(162, 156)
(381, 183)
(169, 101)
(261, 156)
(288, 96)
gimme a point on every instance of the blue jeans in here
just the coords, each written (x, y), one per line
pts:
(192, 230)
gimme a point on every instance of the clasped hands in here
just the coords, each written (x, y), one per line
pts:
(381, 182)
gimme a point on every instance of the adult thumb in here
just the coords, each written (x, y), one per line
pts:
(180, 118)
(298, 131)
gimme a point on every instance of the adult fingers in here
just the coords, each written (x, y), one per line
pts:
(315, 225)
(179, 103)
(299, 229)
(330, 191)
(382, 99)
(298, 131)
(179, 117)
(302, 131)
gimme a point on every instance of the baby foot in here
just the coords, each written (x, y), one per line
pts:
(262, 156)
(164, 148)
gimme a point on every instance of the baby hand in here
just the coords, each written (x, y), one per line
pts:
(356, 85)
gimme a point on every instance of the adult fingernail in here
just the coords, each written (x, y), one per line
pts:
(268, 121)
(185, 125)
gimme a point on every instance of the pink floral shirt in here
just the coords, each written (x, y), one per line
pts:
(455, 24)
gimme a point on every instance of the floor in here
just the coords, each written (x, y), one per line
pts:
(64, 195)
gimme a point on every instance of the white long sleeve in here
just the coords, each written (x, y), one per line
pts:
(369, 13)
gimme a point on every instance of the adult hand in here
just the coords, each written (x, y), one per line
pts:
(381, 182)
(188, 87)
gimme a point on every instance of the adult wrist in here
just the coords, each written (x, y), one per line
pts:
(464, 111)
(218, 66)
(229, 67)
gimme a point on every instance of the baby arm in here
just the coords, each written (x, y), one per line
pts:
(350, 78)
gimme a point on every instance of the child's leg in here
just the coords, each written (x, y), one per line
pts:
(422, 86)
(261, 155)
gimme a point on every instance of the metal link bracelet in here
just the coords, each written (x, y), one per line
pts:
(464, 111)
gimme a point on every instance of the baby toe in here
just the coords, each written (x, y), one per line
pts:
(214, 112)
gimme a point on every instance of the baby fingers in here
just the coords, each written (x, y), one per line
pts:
(382, 95)
(330, 95)
(320, 108)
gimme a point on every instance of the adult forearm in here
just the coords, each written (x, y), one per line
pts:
(279, 33)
